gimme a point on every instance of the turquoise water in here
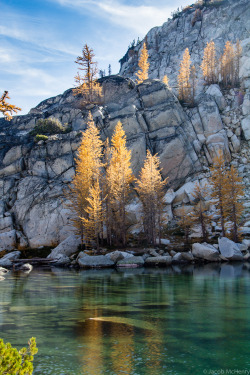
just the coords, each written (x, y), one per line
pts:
(153, 322)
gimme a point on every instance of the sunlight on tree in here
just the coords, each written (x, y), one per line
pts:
(143, 63)
(88, 169)
(184, 91)
(87, 85)
(119, 178)
(209, 64)
(6, 108)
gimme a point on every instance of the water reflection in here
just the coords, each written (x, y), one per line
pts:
(141, 321)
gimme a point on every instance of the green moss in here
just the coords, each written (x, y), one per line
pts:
(41, 137)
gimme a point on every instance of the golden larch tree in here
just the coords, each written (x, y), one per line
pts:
(6, 108)
(200, 213)
(93, 221)
(185, 222)
(106, 192)
(86, 83)
(150, 188)
(119, 178)
(209, 64)
(218, 182)
(143, 63)
(184, 91)
(234, 193)
(88, 169)
(165, 80)
(227, 65)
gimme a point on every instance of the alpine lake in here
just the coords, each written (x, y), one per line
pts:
(144, 321)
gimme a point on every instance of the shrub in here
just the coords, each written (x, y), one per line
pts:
(48, 126)
(14, 362)
(41, 137)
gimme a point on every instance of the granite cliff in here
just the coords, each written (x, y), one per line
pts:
(33, 175)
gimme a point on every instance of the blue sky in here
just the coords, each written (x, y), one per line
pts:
(40, 40)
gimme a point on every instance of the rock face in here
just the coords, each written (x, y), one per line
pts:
(33, 210)
(230, 249)
(8, 240)
(166, 44)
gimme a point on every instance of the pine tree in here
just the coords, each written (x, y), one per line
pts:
(88, 169)
(234, 192)
(200, 213)
(209, 64)
(150, 188)
(95, 213)
(17, 362)
(165, 80)
(109, 70)
(184, 92)
(143, 63)
(119, 178)
(87, 84)
(6, 108)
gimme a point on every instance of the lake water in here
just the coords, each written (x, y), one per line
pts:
(194, 320)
